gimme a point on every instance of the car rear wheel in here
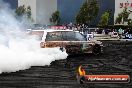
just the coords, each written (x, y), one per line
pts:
(96, 50)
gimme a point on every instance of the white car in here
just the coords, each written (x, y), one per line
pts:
(73, 41)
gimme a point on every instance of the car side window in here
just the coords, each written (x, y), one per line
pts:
(68, 36)
(53, 36)
(64, 36)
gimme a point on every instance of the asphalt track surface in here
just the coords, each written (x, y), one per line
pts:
(116, 59)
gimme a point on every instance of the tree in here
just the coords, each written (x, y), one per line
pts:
(104, 19)
(88, 12)
(29, 12)
(55, 18)
(118, 19)
(125, 15)
(122, 17)
(130, 22)
(82, 16)
(22, 11)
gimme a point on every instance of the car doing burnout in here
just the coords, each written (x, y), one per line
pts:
(71, 41)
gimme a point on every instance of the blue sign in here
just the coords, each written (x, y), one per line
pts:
(128, 36)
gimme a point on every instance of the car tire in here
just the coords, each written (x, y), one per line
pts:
(96, 50)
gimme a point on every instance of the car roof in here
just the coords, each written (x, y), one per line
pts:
(52, 30)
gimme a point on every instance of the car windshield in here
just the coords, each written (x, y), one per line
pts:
(64, 36)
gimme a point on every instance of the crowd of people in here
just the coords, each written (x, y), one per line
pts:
(77, 27)
(86, 29)
(80, 27)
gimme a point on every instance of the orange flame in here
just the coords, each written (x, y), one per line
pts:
(81, 71)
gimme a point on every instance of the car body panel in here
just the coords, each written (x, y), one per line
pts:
(71, 46)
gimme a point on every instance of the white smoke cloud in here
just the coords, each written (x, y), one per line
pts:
(19, 51)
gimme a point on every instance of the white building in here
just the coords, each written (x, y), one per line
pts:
(122, 4)
(41, 9)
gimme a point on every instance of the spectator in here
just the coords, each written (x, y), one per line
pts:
(103, 32)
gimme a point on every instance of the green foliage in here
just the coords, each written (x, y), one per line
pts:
(82, 16)
(22, 11)
(88, 12)
(130, 22)
(104, 19)
(125, 15)
(55, 18)
(122, 17)
(29, 12)
(118, 19)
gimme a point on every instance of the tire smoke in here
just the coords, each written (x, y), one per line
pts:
(19, 51)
